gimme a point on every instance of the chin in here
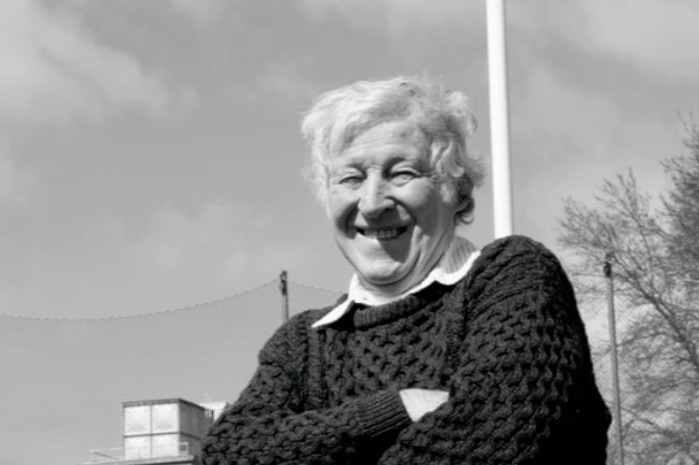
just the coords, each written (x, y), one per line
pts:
(382, 281)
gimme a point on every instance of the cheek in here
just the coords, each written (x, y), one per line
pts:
(339, 206)
(434, 217)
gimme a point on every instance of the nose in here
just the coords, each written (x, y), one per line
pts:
(375, 197)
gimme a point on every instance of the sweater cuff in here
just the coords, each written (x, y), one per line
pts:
(381, 413)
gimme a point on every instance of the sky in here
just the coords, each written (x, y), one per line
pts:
(150, 156)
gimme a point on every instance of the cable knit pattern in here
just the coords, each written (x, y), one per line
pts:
(507, 342)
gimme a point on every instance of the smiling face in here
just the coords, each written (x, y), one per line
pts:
(390, 220)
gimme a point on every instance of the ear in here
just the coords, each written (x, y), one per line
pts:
(464, 204)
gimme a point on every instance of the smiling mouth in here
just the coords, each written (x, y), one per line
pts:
(382, 234)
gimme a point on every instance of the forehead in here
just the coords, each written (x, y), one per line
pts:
(402, 139)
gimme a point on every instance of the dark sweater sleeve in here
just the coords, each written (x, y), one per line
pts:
(269, 423)
(520, 375)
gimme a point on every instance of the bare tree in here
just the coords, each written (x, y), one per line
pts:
(656, 263)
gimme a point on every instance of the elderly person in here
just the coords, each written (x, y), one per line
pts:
(440, 353)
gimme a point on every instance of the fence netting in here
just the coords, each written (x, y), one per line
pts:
(64, 381)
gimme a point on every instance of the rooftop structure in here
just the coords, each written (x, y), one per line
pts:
(164, 432)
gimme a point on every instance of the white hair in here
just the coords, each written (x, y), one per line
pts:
(338, 116)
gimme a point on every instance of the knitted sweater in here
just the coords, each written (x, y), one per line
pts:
(506, 342)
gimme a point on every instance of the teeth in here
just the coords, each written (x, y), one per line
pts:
(381, 234)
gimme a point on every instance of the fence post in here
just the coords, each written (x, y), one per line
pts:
(284, 289)
(609, 276)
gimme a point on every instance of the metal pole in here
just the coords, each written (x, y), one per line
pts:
(609, 275)
(499, 120)
(284, 289)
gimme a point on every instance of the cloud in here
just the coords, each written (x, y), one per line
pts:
(220, 247)
(16, 184)
(175, 241)
(287, 79)
(556, 126)
(54, 71)
(575, 124)
(174, 259)
(574, 138)
(285, 82)
(657, 37)
(201, 11)
(398, 18)
(548, 109)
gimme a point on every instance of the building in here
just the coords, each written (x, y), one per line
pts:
(163, 432)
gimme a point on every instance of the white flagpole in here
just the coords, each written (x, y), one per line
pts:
(499, 123)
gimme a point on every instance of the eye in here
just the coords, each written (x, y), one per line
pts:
(350, 179)
(403, 176)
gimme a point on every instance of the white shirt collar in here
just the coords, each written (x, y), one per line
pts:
(452, 267)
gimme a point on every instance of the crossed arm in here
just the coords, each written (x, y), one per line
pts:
(518, 362)
(268, 425)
